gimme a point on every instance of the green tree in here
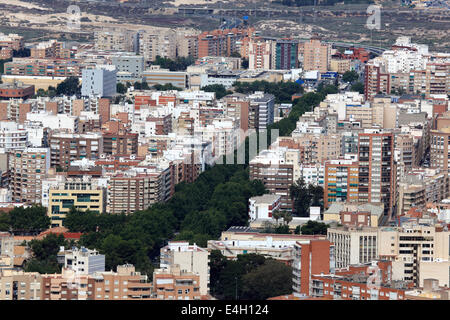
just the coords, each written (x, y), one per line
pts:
(166, 87)
(287, 217)
(357, 87)
(273, 278)
(70, 86)
(219, 89)
(121, 88)
(45, 251)
(276, 214)
(244, 63)
(350, 76)
(314, 227)
(179, 64)
(302, 198)
(5, 223)
(33, 219)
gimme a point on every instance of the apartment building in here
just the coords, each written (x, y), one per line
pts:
(410, 244)
(120, 143)
(161, 43)
(222, 42)
(316, 55)
(189, 258)
(27, 170)
(261, 110)
(311, 258)
(262, 207)
(286, 54)
(12, 138)
(341, 181)
(50, 49)
(99, 81)
(353, 245)
(376, 169)
(358, 283)
(439, 149)
(12, 41)
(175, 283)
(84, 261)
(410, 196)
(133, 192)
(434, 181)
(67, 147)
(376, 80)
(20, 285)
(43, 67)
(277, 176)
(124, 284)
(318, 148)
(260, 55)
(116, 40)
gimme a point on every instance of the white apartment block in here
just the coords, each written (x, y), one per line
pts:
(84, 261)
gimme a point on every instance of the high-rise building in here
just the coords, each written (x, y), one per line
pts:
(27, 170)
(116, 40)
(376, 81)
(376, 169)
(162, 43)
(311, 258)
(260, 55)
(286, 54)
(341, 181)
(277, 176)
(316, 55)
(261, 110)
(99, 81)
(439, 149)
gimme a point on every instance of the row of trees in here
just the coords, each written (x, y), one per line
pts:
(282, 91)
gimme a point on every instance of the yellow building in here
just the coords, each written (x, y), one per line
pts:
(61, 201)
(340, 65)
